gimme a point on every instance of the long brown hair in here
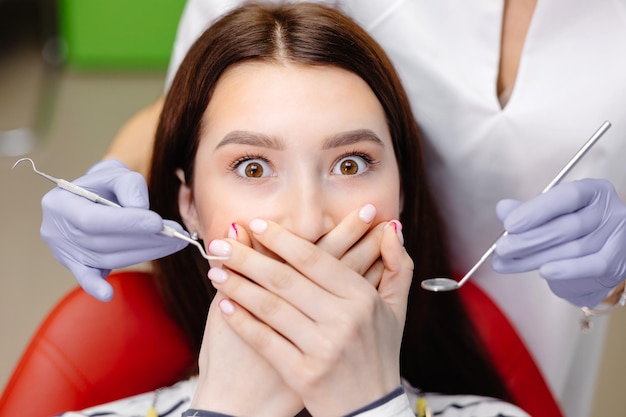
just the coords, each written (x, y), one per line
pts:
(440, 350)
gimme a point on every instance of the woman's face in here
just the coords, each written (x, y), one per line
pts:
(298, 145)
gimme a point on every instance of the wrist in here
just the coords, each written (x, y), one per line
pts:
(352, 403)
(383, 401)
(225, 400)
(615, 299)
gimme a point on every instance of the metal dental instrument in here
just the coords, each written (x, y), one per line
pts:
(80, 191)
(447, 284)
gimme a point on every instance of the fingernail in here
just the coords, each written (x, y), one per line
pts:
(233, 233)
(219, 248)
(367, 213)
(258, 226)
(226, 306)
(217, 275)
(397, 226)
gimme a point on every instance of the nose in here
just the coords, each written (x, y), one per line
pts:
(306, 212)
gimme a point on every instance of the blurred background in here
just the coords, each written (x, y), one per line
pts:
(71, 73)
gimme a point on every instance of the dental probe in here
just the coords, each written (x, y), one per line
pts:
(80, 191)
(448, 284)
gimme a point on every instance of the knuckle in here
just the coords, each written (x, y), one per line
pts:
(48, 201)
(351, 324)
(308, 255)
(83, 219)
(261, 339)
(253, 332)
(270, 305)
(282, 279)
(352, 263)
(328, 349)
(366, 307)
(310, 376)
(313, 372)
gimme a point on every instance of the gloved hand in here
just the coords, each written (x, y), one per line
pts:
(92, 239)
(575, 234)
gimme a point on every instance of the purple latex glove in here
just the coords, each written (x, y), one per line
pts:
(574, 234)
(92, 239)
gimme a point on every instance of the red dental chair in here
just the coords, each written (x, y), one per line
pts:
(87, 352)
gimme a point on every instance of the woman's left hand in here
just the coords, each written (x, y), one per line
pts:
(332, 336)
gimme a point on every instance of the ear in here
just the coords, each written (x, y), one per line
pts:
(186, 205)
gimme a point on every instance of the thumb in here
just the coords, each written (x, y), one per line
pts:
(240, 234)
(92, 281)
(131, 190)
(505, 207)
(398, 270)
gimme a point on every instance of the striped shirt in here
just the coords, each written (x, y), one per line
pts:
(175, 400)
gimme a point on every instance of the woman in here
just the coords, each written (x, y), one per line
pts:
(291, 118)
(252, 83)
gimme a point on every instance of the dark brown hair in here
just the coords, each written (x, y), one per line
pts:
(440, 350)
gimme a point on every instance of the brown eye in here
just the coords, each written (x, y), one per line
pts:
(350, 165)
(254, 170)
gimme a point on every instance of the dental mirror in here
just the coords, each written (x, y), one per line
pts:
(448, 284)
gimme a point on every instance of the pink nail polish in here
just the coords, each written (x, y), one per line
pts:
(219, 248)
(233, 233)
(397, 227)
(226, 306)
(258, 226)
(217, 275)
(367, 213)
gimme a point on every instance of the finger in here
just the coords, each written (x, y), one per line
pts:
(365, 252)
(131, 190)
(114, 181)
(578, 292)
(398, 273)
(92, 280)
(97, 219)
(127, 243)
(272, 310)
(314, 263)
(505, 207)
(375, 273)
(598, 267)
(348, 231)
(566, 228)
(280, 353)
(240, 234)
(274, 275)
(585, 246)
(563, 199)
(126, 253)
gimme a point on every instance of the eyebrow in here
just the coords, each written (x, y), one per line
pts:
(244, 137)
(351, 137)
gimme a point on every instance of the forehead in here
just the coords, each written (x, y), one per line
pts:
(277, 96)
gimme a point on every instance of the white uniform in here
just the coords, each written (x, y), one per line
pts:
(572, 77)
